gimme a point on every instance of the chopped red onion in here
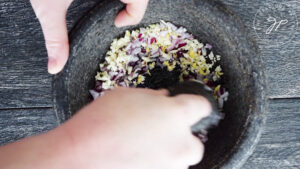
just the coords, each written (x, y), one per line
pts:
(153, 40)
(208, 46)
(95, 94)
(140, 35)
(161, 45)
(182, 45)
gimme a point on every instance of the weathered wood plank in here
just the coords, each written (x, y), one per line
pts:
(25, 97)
(279, 146)
(24, 81)
(22, 42)
(23, 62)
(282, 62)
(16, 124)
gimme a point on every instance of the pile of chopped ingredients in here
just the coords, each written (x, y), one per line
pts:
(161, 49)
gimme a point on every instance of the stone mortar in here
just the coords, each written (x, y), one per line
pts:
(233, 141)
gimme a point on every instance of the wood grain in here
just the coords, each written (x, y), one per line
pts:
(282, 62)
(24, 81)
(279, 146)
(16, 124)
(23, 56)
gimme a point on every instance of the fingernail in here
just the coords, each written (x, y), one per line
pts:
(52, 65)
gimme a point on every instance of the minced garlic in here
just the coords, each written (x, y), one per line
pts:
(132, 57)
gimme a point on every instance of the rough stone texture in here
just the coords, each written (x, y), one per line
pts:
(23, 70)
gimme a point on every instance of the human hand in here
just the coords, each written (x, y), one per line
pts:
(126, 128)
(52, 16)
(137, 129)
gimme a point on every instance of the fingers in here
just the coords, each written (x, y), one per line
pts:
(133, 14)
(190, 151)
(52, 16)
(196, 151)
(160, 92)
(191, 107)
(194, 107)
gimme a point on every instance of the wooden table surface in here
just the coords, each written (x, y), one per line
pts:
(26, 106)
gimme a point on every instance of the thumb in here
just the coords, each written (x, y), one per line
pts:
(52, 16)
(133, 14)
(194, 107)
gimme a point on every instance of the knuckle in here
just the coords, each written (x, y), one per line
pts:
(186, 100)
(53, 43)
(56, 47)
(196, 102)
(194, 151)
